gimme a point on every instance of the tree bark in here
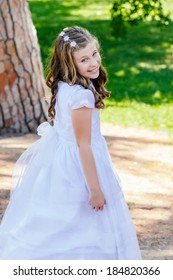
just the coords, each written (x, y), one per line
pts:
(22, 84)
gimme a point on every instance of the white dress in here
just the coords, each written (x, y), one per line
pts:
(49, 216)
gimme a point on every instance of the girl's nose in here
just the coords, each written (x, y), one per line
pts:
(93, 62)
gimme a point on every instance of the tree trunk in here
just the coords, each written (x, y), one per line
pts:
(22, 84)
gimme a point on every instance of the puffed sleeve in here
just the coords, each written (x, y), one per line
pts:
(82, 98)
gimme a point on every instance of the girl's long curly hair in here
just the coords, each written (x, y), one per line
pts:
(62, 67)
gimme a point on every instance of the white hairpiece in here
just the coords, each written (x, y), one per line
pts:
(62, 33)
(66, 38)
(73, 44)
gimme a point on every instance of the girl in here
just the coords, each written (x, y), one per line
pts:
(67, 201)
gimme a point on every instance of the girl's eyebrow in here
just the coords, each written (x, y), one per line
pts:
(83, 56)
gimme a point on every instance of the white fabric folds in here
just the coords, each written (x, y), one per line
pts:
(49, 216)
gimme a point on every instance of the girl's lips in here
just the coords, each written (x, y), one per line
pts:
(94, 70)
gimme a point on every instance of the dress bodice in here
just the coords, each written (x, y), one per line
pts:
(71, 97)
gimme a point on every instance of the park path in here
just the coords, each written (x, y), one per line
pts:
(144, 162)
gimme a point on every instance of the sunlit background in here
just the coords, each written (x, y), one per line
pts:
(139, 66)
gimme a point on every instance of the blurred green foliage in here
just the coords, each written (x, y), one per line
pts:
(140, 66)
(131, 12)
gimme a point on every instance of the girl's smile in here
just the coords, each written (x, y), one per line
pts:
(88, 61)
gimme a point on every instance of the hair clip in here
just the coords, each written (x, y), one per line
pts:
(66, 38)
(62, 33)
(73, 44)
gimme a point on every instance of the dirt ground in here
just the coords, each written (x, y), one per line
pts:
(144, 161)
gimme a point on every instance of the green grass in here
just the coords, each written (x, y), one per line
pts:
(139, 66)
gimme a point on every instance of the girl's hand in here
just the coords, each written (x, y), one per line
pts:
(97, 200)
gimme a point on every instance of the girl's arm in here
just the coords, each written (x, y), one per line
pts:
(81, 120)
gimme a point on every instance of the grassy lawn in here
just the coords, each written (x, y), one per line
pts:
(139, 66)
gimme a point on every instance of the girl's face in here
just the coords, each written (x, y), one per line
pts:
(88, 61)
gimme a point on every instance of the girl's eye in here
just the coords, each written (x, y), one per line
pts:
(84, 60)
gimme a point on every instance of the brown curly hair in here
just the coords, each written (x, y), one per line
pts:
(62, 67)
